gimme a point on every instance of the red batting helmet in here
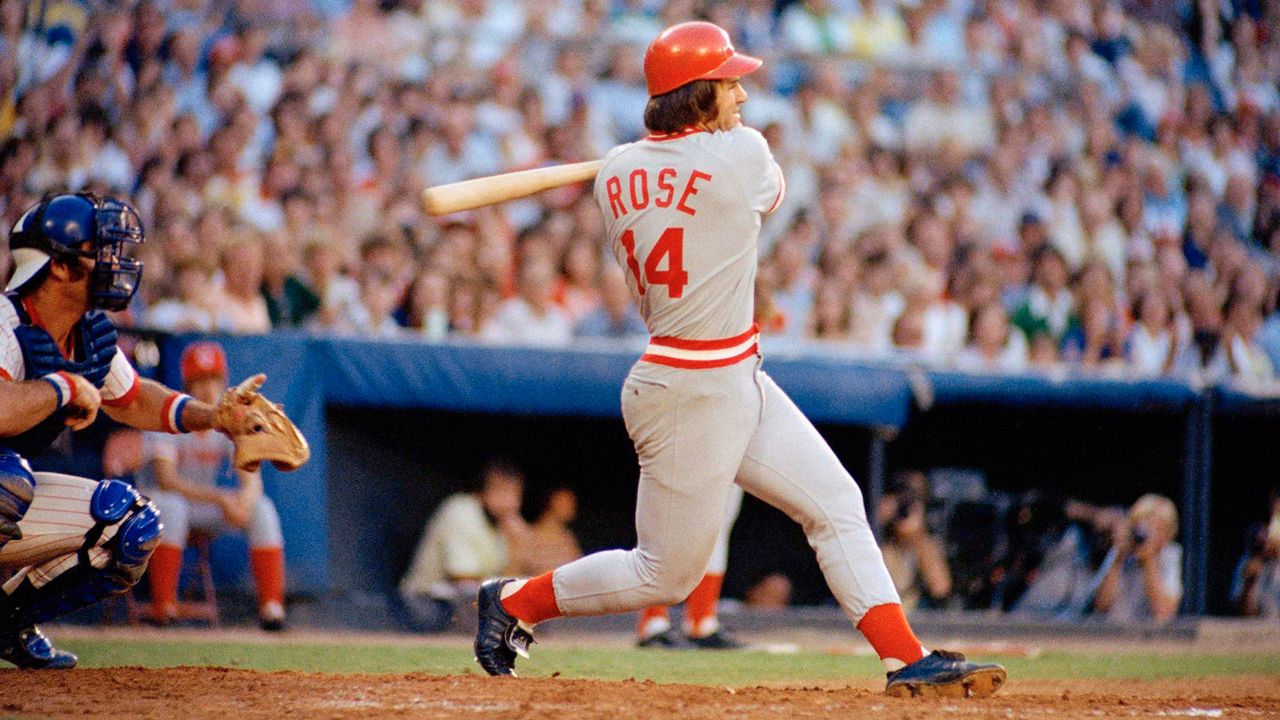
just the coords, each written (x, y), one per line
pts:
(693, 51)
(203, 359)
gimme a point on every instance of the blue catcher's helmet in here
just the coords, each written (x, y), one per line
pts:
(69, 226)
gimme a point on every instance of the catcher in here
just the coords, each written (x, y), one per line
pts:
(72, 541)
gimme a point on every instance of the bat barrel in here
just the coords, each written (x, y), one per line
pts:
(478, 192)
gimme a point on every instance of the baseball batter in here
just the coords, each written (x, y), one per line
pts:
(683, 209)
(72, 541)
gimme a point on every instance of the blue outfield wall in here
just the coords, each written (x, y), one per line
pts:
(307, 372)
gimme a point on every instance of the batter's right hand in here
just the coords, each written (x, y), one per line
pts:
(85, 401)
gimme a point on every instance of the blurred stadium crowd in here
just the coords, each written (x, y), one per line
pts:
(1001, 185)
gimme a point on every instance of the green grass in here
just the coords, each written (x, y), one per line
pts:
(738, 668)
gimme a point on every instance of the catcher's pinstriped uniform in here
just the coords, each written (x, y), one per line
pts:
(54, 527)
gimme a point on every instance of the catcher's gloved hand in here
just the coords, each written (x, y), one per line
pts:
(259, 428)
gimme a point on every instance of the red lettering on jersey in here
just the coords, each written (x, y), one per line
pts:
(664, 184)
(628, 241)
(638, 201)
(613, 187)
(690, 190)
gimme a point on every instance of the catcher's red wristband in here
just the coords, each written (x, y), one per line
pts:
(171, 413)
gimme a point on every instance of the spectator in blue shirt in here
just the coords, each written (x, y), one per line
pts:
(616, 317)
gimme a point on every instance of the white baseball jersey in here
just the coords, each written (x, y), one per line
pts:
(683, 213)
(202, 458)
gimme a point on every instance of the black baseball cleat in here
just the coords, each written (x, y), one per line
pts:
(944, 673)
(717, 640)
(271, 617)
(29, 649)
(271, 624)
(665, 640)
(499, 637)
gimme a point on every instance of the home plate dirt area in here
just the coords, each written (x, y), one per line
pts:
(221, 694)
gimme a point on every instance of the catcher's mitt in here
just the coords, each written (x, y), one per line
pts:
(259, 428)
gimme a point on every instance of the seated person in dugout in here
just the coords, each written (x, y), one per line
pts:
(469, 538)
(550, 541)
(183, 483)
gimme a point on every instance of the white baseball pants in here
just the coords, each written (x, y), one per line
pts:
(696, 432)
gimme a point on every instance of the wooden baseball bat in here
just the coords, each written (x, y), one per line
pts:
(469, 194)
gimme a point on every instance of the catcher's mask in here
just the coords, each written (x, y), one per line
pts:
(70, 226)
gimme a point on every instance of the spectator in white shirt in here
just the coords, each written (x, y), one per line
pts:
(531, 317)
(338, 294)
(943, 119)
(190, 311)
(994, 344)
(372, 316)
(257, 76)
(876, 305)
(242, 301)
(1249, 362)
(1152, 344)
(816, 27)
(108, 164)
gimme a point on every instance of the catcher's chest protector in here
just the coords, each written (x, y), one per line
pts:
(41, 356)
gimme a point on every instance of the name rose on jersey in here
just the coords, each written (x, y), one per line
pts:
(663, 190)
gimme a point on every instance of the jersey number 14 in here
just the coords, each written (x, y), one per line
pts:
(670, 245)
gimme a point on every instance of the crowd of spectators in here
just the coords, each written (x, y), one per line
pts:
(998, 185)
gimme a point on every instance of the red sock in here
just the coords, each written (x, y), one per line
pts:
(268, 574)
(649, 615)
(886, 628)
(163, 570)
(701, 605)
(534, 602)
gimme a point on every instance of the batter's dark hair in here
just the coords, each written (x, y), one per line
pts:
(684, 107)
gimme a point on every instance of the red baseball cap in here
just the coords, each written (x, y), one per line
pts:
(203, 359)
(693, 51)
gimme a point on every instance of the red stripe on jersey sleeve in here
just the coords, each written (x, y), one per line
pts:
(782, 190)
(127, 398)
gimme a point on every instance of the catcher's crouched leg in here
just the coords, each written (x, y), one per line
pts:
(136, 525)
(17, 488)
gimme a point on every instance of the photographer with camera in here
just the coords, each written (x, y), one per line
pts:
(1141, 578)
(917, 560)
(1255, 589)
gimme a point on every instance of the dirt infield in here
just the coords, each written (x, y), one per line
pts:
(220, 694)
